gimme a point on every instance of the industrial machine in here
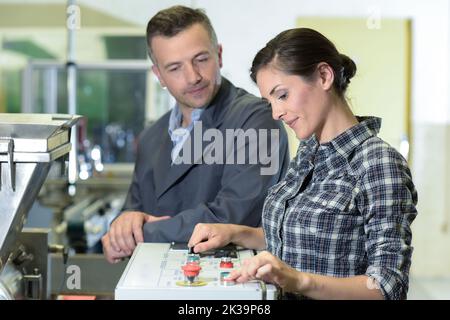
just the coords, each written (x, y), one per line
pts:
(167, 271)
(29, 143)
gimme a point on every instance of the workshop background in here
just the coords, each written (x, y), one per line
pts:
(403, 76)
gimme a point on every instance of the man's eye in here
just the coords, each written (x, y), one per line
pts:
(173, 69)
(202, 59)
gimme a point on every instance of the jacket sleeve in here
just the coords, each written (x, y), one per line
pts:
(133, 200)
(243, 186)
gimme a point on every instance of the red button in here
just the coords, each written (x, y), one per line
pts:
(226, 264)
(191, 269)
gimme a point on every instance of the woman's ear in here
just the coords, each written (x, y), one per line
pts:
(326, 75)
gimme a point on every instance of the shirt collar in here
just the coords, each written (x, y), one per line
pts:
(176, 118)
(346, 142)
(353, 137)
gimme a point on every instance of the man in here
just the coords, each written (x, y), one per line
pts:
(173, 188)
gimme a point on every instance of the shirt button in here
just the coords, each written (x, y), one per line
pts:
(312, 230)
(324, 203)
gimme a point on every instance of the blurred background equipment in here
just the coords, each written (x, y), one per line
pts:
(106, 141)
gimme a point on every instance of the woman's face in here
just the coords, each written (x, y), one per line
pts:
(301, 104)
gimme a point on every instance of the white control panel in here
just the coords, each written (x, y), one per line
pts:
(155, 272)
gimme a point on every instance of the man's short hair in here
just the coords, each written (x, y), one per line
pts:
(169, 22)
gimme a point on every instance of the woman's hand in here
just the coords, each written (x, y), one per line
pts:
(267, 267)
(208, 236)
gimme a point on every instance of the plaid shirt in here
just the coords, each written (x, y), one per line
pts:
(345, 208)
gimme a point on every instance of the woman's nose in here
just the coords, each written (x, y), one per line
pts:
(277, 112)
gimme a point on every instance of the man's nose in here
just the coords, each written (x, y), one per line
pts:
(192, 74)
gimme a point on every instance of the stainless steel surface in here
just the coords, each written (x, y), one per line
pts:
(11, 284)
(28, 143)
(32, 133)
(6, 148)
(53, 121)
(15, 204)
(37, 156)
(26, 274)
(35, 241)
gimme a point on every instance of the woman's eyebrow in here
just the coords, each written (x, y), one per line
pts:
(273, 90)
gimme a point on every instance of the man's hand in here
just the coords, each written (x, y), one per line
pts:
(208, 236)
(125, 233)
(111, 255)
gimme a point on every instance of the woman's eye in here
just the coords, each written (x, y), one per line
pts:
(283, 96)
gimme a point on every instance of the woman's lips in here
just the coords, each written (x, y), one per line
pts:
(291, 123)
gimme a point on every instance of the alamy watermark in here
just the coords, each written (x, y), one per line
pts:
(373, 21)
(73, 281)
(231, 146)
(73, 21)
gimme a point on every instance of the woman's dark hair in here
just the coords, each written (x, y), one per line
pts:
(299, 51)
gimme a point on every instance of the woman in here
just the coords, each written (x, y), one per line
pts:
(338, 225)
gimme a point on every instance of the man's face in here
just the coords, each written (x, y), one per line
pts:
(188, 64)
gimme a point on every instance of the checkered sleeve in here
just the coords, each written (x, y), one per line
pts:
(388, 203)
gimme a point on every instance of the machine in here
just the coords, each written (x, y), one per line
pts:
(165, 271)
(29, 143)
